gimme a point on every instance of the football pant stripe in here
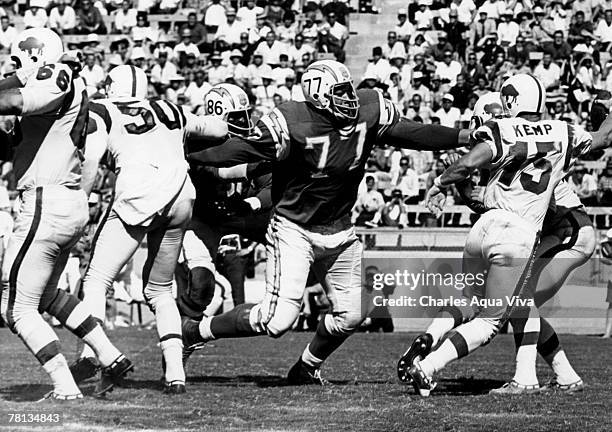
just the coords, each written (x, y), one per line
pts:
(94, 240)
(133, 70)
(20, 256)
(277, 271)
(47, 352)
(570, 150)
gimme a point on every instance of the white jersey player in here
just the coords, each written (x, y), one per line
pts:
(51, 104)
(527, 158)
(153, 200)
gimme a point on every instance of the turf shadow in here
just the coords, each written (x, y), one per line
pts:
(264, 381)
(25, 392)
(464, 386)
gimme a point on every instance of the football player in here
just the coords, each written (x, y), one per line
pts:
(51, 102)
(318, 148)
(153, 200)
(568, 236)
(233, 200)
(527, 157)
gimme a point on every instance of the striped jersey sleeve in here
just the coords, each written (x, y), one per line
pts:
(389, 115)
(490, 134)
(273, 126)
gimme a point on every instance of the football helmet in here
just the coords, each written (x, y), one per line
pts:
(36, 47)
(230, 102)
(487, 106)
(327, 85)
(523, 94)
(126, 81)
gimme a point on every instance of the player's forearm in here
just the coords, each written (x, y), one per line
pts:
(233, 152)
(462, 169)
(412, 135)
(209, 127)
(11, 102)
(603, 137)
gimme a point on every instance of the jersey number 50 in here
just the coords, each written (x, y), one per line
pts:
(144, 119)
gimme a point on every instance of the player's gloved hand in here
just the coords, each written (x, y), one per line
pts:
(478, 193)
(254, 202)
(434, 200)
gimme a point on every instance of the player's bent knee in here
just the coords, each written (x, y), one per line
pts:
(343, 324)
(488, 328)
(585, 244)
(201, 286)
(158, 294)
(280, 324)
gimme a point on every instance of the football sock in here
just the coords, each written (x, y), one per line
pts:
(526, 331)
(462, 341)
(231, 324)
(322, 345)
(550, 349)
(72, 313)
(448, 318)
(63, 382)
(169, 330)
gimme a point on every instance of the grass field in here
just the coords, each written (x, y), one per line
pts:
(239, 385)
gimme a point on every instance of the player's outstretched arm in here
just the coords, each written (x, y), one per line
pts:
(409, 134)
(461, 169)
(205, 126)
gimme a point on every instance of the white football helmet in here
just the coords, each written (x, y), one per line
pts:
(523, 94)
(230, 102)
(327, 84)
(36, 47)
(487, 106)
(127, 81)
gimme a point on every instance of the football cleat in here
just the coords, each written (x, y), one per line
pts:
(191, 334)
(188, 350)
(84, 368)
(515, 388)
(113, 375)
(419, 349)
(422, 383)
(574, 387)
(302, 374)
(52, 395)
(174, 388)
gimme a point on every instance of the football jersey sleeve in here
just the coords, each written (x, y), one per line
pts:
(274, 128)
(44, 88)
(489, 133)
(204, 126)
(579, 142)
(95, 147)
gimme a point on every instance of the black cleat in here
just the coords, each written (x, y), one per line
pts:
(113, 375)
(420, 348)
(84, 368)
(191, 334)
(174, 388)
(422, 383)
(302, 374)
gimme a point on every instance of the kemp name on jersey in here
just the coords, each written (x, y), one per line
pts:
(320, 162)
(529, 160)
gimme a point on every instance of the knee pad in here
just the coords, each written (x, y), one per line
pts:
(343, 324)
(280, 323)
(156, 296)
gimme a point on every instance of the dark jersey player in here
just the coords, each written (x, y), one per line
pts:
(318, 149)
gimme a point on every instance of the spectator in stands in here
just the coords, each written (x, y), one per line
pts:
(456, 32)
(260, 31)
(271, 49)
(138, 57)
(184, 47)
(419, 88)
(548, 72)
(392, 41)
(423, 18)
(290, 90)
(92, 72)
(558, 47)
(461, 91)
(440, 48)
(406, 180)
(584, 185)
(368, 203)
(217, 73)
(62, 18)
(581, 30)
(216, 16)
(449, 115)
(472, 69)
(404, 28)
(520, 51)
(507, 30)
(333, 37)
(198, 31)
(394, 213)
(89, 19)
(297, 51)
(248, 14)
(288, 30)
(282, 71)
(125, 18)
(378, 66)
(175, 92)
(230, 31)
(163, 70)
(8, 33)
(603, 32)
(310, 32)
(481, 29)
(448, 69)
(275, 12)
(417, 109)
(266, 91)
(237, 70)
(143, 29)
(36, 15)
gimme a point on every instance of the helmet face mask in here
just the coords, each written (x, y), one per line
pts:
(240, 123)
(344, 102)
